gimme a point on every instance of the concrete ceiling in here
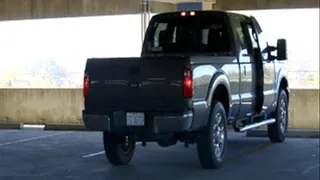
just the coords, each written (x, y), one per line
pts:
(250, 4)
(179, 1)
(33, 9)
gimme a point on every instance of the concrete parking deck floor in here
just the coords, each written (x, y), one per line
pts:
(35, 155)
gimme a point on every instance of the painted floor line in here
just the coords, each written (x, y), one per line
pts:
(101, 152)
(31, 139)
(33, 126)
(310, 169)
(93, 154)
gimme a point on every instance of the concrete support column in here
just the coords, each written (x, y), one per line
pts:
(152, 6)
(195, 6)
(145, 17)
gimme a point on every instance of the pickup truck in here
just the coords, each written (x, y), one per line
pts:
(199, 72)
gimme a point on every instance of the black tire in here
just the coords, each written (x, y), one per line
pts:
(119, 150)
(205, 145)
(277, 131)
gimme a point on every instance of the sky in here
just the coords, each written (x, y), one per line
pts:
(69, 41)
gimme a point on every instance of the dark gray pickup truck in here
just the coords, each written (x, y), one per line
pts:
(199, 72)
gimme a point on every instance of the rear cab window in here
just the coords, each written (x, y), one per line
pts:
(189, 34)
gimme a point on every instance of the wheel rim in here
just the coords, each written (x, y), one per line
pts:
(126, 145)
(218, 135)
(283, 115)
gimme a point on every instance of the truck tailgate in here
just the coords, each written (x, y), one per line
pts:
(146, 83)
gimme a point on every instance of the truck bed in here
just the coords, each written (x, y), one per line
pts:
(146, 83)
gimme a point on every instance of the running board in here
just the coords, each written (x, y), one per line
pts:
(255, 125)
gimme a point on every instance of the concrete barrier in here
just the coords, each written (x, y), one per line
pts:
(65, 127)
(41, 106)
(304, 109)
(63, 106)
(11, 125)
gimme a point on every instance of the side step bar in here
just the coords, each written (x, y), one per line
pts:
(255, 125)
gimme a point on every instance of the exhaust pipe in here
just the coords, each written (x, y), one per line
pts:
(255, 125)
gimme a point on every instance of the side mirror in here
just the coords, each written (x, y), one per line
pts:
(268, 50)
(282, 50)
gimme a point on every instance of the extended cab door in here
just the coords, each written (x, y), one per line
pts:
(246, 65)
(269, 77)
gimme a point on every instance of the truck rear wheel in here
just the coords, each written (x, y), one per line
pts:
(119, 150)
(277, 131)
(212, 143)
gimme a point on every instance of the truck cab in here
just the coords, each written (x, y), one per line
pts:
(198, 72)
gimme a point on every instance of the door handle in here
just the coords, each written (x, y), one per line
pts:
(244, 71)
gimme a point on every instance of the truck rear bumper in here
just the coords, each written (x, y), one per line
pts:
(155, 124)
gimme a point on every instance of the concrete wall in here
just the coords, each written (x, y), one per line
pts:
(39, 106)
(33, 9)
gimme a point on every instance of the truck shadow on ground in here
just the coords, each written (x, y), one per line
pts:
(178, 162)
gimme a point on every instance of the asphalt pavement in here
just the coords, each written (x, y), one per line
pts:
(32, 154)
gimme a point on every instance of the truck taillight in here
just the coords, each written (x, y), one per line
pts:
(85, 86)
(187, 83)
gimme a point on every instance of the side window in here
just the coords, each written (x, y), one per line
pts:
(263, 45)
(240, 33)
(241, 38)
(253, 37)
(250, 39)
(160, 27)
(174, 38)
(205, 35)
(262, 42)
(247, 38)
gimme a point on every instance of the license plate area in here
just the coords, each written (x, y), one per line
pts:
(135, 119)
